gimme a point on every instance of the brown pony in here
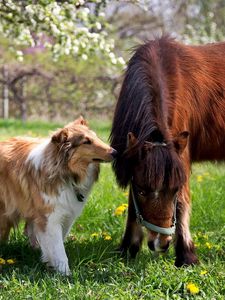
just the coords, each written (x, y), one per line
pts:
(170, 112)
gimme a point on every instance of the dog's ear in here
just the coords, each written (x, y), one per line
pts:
(81, 121)
(60, 136)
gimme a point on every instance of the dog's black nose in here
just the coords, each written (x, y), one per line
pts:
(114, 153)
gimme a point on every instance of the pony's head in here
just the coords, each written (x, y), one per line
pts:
(156, 177)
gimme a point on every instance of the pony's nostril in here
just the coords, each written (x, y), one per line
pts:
(165, 247)
(113, 153)
(151, 245)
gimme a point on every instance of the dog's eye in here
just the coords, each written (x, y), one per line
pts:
(87, 142)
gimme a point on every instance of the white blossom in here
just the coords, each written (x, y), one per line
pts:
(121, 60)
(84, 56)
(98, 25)
(70, 30)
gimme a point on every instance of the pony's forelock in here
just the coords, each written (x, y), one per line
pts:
(163, 169)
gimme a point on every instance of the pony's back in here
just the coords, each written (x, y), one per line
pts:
(170, 87)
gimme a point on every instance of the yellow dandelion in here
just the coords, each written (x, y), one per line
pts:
(95, 235)
(120, 209)
(208, 245)
(2, 261)
(199, 178)
(192, 288)
(107, 237)
(10, 261)
(203, 272)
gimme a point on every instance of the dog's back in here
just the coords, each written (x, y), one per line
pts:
(19, 197)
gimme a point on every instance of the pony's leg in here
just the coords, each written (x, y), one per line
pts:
(51, 242)
(184, 246)
(133, 235)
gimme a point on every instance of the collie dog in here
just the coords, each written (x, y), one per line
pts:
(46, 183)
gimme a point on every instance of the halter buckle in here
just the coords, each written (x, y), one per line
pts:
(139, 219)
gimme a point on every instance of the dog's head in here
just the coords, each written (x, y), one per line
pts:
(80, 146)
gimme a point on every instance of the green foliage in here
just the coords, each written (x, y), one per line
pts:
(97, 271)
(205, 22)
(63, 89)
(76, 28)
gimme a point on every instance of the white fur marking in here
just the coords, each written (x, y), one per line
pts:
(156, 194)
(66, 209)
(51, 243)
(36, 154)
(185, 227)
(157, 244)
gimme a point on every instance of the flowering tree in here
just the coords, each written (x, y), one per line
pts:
(72, 27)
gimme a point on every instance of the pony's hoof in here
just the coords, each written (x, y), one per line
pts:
(134, 249)
(121, 251)
(189, 260)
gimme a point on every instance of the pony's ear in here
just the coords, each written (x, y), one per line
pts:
(131, 140)
(81, 121)
(180, 142)
(60, 136)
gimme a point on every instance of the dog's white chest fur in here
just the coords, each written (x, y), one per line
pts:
(67, 206)
(70, 200)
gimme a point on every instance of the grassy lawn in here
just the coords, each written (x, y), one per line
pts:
(97, 271)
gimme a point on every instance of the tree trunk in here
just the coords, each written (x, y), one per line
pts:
(23, 103)
(5, 93)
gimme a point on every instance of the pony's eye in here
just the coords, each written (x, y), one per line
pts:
(141, 193)
(87, 142)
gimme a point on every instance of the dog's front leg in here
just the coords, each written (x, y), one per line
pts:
(52, 247)
(67, 225)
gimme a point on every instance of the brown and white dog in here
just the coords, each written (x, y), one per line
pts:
(46, 183)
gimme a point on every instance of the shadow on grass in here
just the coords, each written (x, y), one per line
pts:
(95, 260)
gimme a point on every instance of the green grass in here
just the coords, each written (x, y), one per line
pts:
(97, 271)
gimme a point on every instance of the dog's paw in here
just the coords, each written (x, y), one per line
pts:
(61, 267)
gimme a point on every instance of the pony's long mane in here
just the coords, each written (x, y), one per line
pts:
(142, 109)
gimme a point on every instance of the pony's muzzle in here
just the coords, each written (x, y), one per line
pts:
(159, 243)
